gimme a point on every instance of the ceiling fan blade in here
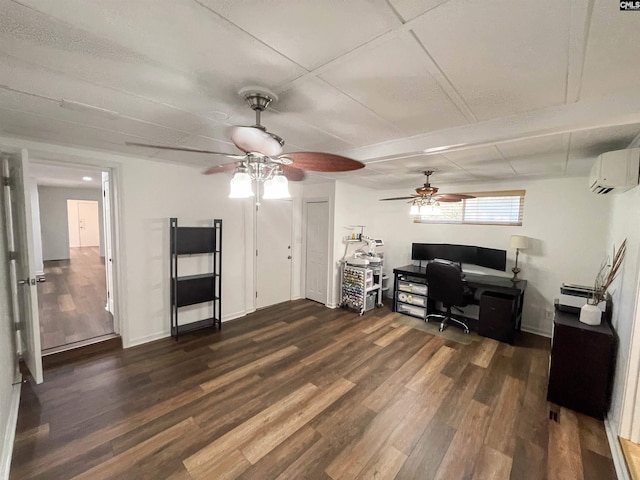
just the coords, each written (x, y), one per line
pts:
(398, 198)
(322, 162)
(184, 149)
(451, 197)
(225, 167)
(254, 139)
(293, 174)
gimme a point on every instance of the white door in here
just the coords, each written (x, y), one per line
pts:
(89, 224)
(22, 270)
(108, 261)
(317, 239)
(273, 252)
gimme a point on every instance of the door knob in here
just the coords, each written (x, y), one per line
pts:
(289, 257)
(23, 282)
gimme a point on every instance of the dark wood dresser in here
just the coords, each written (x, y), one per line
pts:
(582, 365)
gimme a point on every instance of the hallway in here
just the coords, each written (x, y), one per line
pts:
(71, 302)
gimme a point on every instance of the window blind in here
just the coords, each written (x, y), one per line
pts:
(487, 208)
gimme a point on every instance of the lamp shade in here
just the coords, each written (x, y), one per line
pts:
(415, 209)
(519, 242)
(276, 188)
(240, 186)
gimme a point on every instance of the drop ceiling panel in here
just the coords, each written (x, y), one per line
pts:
(541, 165)
(550, 144)
(586, 146)
(612, 61)
(410, 9)
(50, 130)
(307, 31)
(54, 112)
(474, 155)
(314, 102)
(187, 58)
(394, 82)
(40, 81)
(415, 164)
(540, 156)
(490, 169)
(591, 143)
(503, 57)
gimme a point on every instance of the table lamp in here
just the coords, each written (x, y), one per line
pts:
(519, 242)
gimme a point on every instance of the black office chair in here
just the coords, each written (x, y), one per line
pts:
(444, 280)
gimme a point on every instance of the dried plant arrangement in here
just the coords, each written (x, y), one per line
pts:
(607, 274)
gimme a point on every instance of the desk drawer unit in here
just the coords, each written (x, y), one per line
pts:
(418, 300)
(412, 310)
(411, 287)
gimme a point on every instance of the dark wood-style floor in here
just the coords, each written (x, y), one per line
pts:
(299, 391)
(71, 301)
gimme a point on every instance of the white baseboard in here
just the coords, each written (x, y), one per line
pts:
(536, 331)
(616, 451)
(147, 339)
(157, 336)
(10, 432)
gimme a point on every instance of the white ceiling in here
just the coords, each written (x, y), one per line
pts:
(492, 90)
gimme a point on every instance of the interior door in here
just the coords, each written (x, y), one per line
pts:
(273, 253)
(88, 222)
(22, 269)
(317, 252)
(106, 215)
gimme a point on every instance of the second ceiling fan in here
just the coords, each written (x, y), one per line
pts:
(427, 196)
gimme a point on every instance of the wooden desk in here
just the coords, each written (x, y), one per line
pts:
(501, 300)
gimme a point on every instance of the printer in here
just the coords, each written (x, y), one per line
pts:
(573, 297)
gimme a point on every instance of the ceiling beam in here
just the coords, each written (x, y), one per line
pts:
(620, 108)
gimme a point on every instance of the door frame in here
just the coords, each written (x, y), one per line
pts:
(330, 217)
(115, 180)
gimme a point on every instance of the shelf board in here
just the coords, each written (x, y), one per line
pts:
(190, 327)
(186, 278)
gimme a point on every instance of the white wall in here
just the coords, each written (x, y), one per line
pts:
(54, 221)
(625, 223)
(566, 222)
(353, 206)
(151, 193)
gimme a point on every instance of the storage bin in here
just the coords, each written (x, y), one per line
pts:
(370, 301)
(411, 287)
(412, 310)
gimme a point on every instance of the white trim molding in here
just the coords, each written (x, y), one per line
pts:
(616, 451)
(10, 432)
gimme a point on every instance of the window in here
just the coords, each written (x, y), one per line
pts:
(487, 208)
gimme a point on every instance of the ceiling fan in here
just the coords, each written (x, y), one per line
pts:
(427, 198)
(262, 158)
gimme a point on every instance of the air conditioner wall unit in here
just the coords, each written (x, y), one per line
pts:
(615, 172)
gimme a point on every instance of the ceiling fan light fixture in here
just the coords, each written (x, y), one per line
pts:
(251, 139)
(240, 186)
(432, 209)
(415, 209)
(276, 188)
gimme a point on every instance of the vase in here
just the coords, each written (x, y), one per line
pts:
(590, 314)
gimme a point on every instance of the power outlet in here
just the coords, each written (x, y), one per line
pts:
(548, 314)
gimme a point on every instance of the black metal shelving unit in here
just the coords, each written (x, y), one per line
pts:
(194, 289)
